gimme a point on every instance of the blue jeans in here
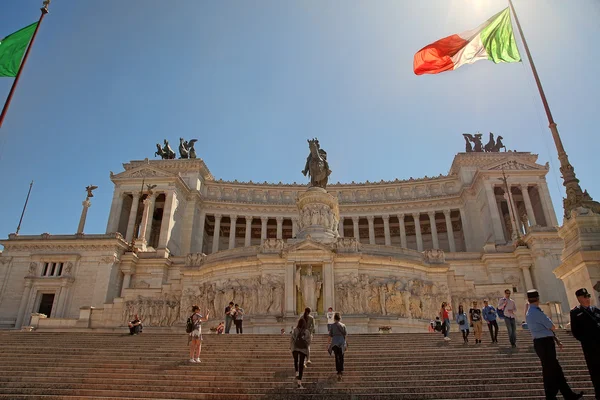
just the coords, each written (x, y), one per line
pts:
(447, 330)
(228, 321)
(329, 327)
(511, 326)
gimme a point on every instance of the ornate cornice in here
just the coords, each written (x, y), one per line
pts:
(63, 243)
(174, 166)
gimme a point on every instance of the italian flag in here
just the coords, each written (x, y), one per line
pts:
(493, 40)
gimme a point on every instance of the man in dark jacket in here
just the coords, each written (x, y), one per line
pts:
(585, 326)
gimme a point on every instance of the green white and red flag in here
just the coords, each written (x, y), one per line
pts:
(493, 40)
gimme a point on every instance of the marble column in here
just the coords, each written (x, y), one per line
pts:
(62, 298)
(279, 227)
(132, 217)
(199, 246)
(434, 235)
(248, 233)
(328, 286)
(294, 226)
(146, 220)
(465, 229)
(341, 227)
(263, 228)
(232, 227)
(290, 289)
(528, 206)
(115, 212)
(23, 304)
(527, 275)
(386, 229)
(514, 222)
(166, 225)
(418, 231)
(402, 231)
(216, 233)
(86, 204)
(370, 219)
(495, 214)
(549, 213)
(355, 226)
(450, 231)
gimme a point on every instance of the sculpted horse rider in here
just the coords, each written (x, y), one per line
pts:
(316, 165)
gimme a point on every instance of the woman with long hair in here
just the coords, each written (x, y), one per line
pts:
(310, 326)
(300, 347)
(337, 344)
(462, 319)
(195, 336)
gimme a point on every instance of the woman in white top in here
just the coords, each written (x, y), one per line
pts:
(195, 338)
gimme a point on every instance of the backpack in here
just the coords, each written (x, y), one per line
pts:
(189, 325)
(301, 342)
(438, 325)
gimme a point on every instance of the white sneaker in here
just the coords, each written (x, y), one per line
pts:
(192, 360)
(198, 360)
(446, 338)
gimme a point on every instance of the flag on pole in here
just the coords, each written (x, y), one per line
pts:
(12, 49)
(493, 40)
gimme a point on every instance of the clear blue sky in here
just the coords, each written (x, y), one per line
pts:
(252, 80)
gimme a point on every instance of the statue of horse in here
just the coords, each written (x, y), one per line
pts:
(159, 151)
(477, 142)
(169, 154)
(499, 145)
(468, 139)
(489, 147)
(318, 168)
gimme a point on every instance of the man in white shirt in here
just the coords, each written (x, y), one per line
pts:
(508, 306)
(330, 320)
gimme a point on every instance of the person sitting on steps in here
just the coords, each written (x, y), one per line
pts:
(135, 326)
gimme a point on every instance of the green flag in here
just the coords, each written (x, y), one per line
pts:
(12, 49)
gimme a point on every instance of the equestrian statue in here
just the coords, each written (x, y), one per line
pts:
(166, 152)
(491, 146)
(316, 165)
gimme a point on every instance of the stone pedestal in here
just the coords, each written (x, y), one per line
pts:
(580, 266)
(319, 215)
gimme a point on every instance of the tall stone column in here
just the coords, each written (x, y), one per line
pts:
(402, 231)
(23, 304)
(355, 226)
(263, 228)
(294, 226)
(418, 231)
(386, 229)
(341, 227)
(232, 227)
(527, 275)
(434, 235)
(132, 217)
(115, 212)
(528, 206)
(290, 289)
(495, 214)
(279, 227)
(216, 233)
(248, 233)
(450, 231)
(547, 204)
(146, 228)
(370, 219)
(198, 246)
(126, 283)
(328, 286)
(465, 229)
(86, 204)
(514, 222)
(167, 220)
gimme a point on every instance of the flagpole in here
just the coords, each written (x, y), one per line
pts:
(24, 208)
(575, 196)
(44, 10)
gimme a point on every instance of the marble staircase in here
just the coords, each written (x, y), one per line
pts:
(88, 366)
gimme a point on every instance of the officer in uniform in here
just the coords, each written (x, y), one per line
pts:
(585, 326)
(542, 330)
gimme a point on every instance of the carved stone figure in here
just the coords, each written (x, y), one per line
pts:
(434, 256)
(90, 189)
(186, 149)
(68, 269)
(316, 165)
(32, 269)
(272, 246)
(310, 287)
(476, 140)
(161, 311)
(166, 153)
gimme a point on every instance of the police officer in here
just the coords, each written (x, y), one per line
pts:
(585, 326)
(542, 330)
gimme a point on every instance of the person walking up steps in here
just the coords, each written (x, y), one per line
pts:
(195, 335)
(463, 323)
(337, 344)
(310, 326)
(475, 316)
(445, 317)
(300, 347)
(489, 315)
